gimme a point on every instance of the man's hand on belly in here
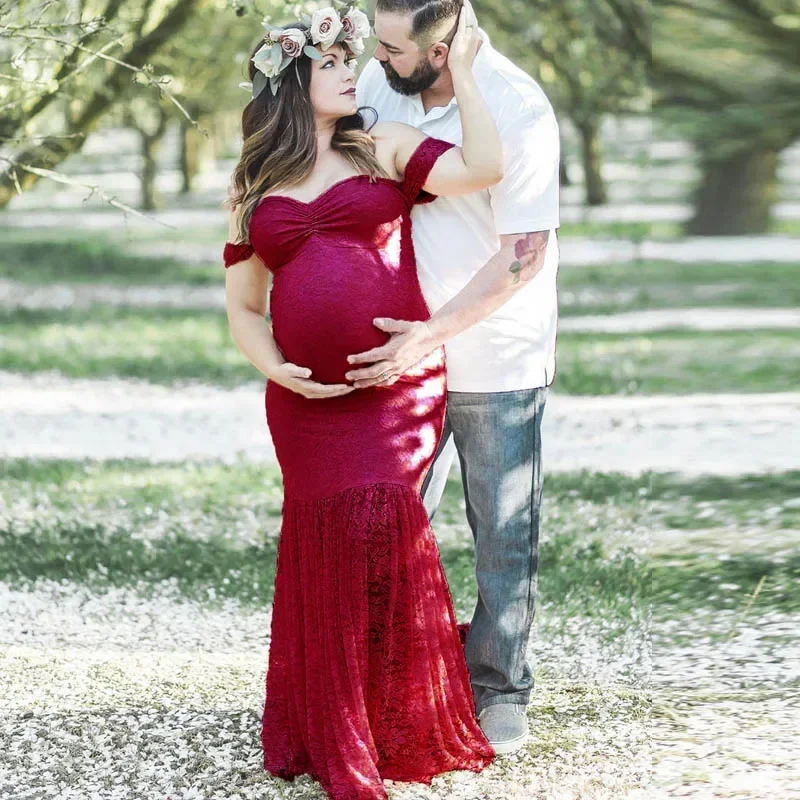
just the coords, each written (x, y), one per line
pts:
(410, 342)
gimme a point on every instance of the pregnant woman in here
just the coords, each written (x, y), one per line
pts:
(366, 677)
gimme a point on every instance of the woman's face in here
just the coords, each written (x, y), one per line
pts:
(333, 84)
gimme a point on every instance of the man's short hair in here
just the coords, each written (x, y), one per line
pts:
(428, 16)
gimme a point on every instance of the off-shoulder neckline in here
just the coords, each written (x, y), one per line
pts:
(325, 192)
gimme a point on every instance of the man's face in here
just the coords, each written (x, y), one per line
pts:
(408, 69)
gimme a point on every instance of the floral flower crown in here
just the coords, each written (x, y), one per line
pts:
(348, 27)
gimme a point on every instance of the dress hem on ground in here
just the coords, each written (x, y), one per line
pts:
(367, 678)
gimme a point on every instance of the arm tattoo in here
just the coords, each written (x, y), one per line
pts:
(529, 251)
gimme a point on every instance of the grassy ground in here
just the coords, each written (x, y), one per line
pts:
(204, 523)
(599, 289)
(612, 288)
(634, 231)
(165, 346)
(136, 596)
(45, 256)
(647, 586)
(637, 231)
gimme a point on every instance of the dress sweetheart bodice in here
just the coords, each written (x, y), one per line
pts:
(356, 211)
(325, 192)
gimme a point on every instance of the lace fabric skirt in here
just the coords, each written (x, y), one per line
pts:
(367, 678)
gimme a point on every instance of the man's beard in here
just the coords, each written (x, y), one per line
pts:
(423, 77)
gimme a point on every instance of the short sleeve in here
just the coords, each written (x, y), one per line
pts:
(419, 167)
(526, 200)
(234, 253)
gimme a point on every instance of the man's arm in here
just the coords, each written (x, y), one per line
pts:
(519, 260)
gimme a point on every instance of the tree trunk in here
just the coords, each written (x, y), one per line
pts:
(736, 194)
(563, 173)
(52, 151)
(596, 194)
(190, 156)
(151, 144)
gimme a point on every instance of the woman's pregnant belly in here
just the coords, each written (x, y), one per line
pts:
(323, 305)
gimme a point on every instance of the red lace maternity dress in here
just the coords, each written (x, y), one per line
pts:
(366, 676)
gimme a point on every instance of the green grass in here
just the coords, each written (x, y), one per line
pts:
(605, 548)
(610, 288)
(786, 227)
(168, 346)
(162, 346)
(635, 231)
(678, 362)
(43, 257)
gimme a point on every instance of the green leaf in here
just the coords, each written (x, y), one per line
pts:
(312, 52)
(341, 36)
(274, 85)
(515, 267)
(259, 83)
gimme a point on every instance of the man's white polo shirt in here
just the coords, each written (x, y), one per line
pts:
(455, 236)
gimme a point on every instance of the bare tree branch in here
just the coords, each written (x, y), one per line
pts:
(60, 177)
(51, 151)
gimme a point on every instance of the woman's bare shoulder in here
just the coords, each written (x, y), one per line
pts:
(397, 132)
(393, 142)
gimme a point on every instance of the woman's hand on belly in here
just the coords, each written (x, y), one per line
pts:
(298, 379)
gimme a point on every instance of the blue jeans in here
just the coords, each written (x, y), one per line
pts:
(497, 436)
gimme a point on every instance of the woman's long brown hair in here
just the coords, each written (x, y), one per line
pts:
(280, 144)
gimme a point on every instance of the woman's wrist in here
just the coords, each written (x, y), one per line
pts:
(270, 369)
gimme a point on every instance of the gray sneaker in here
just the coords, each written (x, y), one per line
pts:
(505, 726)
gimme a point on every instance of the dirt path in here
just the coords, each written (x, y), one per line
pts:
(53, 417)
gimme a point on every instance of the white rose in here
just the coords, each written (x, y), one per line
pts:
(360, 24)
(265, 63)
(325, 27)
(356, 46)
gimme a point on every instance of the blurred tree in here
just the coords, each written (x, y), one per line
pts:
(727, 77)
(149, 118)
(204, 63)
(591, 57)
(66, 70)
(209, 85)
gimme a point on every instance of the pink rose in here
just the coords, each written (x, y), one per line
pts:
(356, 23)
(292, 42)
